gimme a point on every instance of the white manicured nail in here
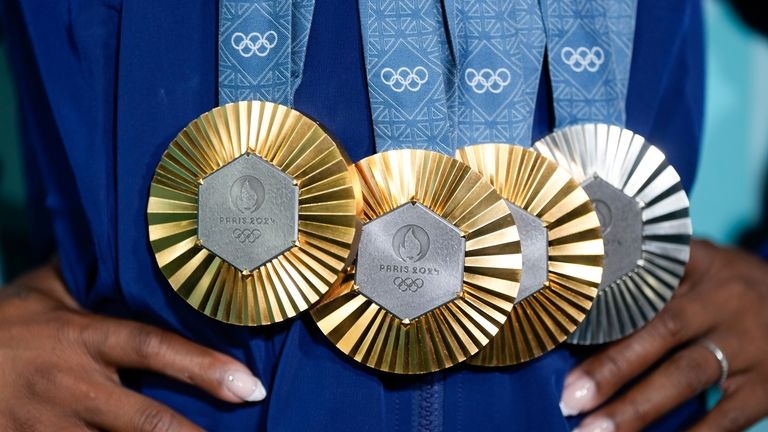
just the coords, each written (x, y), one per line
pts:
(597, 424)
(245, 386)
(578, 395)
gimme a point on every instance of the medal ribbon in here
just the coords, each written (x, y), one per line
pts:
(426, 93)
(410, 74)
(589, 46)
(262, 44)
(499, 47)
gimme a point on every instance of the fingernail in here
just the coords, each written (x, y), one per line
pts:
(596, 424)
(578, 395)
(245, 386)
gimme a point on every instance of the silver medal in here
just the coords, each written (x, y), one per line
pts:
(643, 212)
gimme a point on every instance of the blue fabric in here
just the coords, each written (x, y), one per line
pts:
(589, 46)
(106, 84)
(262, 44)
(410, 74)
(499, 48)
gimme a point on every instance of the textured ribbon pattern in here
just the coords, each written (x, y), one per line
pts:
(410, 74)
(589, 46)
(499, 48)
(262, 44)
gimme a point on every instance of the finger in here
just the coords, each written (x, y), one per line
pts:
(597, 378)
(735, 412)
(700, 265)
(117, 409)
(28, 416)
(685, 375)
(126, 344)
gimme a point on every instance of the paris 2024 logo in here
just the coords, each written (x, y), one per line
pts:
(410, 243)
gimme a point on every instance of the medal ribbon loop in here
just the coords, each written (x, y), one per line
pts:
(262, 45)
(499, 47)
(410, 74)
(589, 48)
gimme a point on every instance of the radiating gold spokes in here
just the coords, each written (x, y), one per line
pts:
(546, 318)
(327, 207)
(456, 330)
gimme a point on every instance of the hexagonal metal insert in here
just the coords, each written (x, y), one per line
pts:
(622, 223)
(534, 243)
(248, 212)
(410, 261)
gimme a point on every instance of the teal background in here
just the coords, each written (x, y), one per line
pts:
(11, 167)
(726, 196)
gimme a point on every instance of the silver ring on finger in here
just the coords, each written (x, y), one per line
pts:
(720, 356)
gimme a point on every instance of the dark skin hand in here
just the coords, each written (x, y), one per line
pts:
(61, 363)
(724, 299)
(58, 365)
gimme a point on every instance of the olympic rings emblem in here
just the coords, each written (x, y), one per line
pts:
(583, 58)
(487, 80)
(408, 284)
(404, 78)
(246, 235)
(254, 43)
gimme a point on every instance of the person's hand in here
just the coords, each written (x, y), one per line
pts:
(58, 365)
(723, 299)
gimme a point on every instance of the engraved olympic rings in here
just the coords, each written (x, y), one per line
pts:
(404, 78)
(487, 79)
(583, 58)
(254, 43)
(246, 235)
(408, 284)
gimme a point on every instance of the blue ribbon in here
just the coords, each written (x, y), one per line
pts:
(589, 46)
(499, 47)
(262, 44)
(482, 87)
(410, 74)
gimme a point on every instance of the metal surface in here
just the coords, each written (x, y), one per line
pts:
(453, 331)
(640, 171)
(410, 261)
(721, 358)
(248, 212)
(286, 147)
(534, 243)
(573, 257)
(622, 224)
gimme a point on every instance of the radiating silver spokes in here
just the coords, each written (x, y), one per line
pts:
(630, 295)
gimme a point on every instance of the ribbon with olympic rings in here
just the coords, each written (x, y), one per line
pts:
(404, 78)
(488, 80)
(589, 44)
(262, 44)
(583, 58)
(254, 43)
(499, 47)
(410, 74)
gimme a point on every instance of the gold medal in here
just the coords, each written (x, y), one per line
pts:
(561, 246)
(437, 269)
(643, 212)
(252, 213)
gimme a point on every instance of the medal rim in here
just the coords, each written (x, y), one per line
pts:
(545, 319)
(447, 334)
(284, 286)
(627, 161)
